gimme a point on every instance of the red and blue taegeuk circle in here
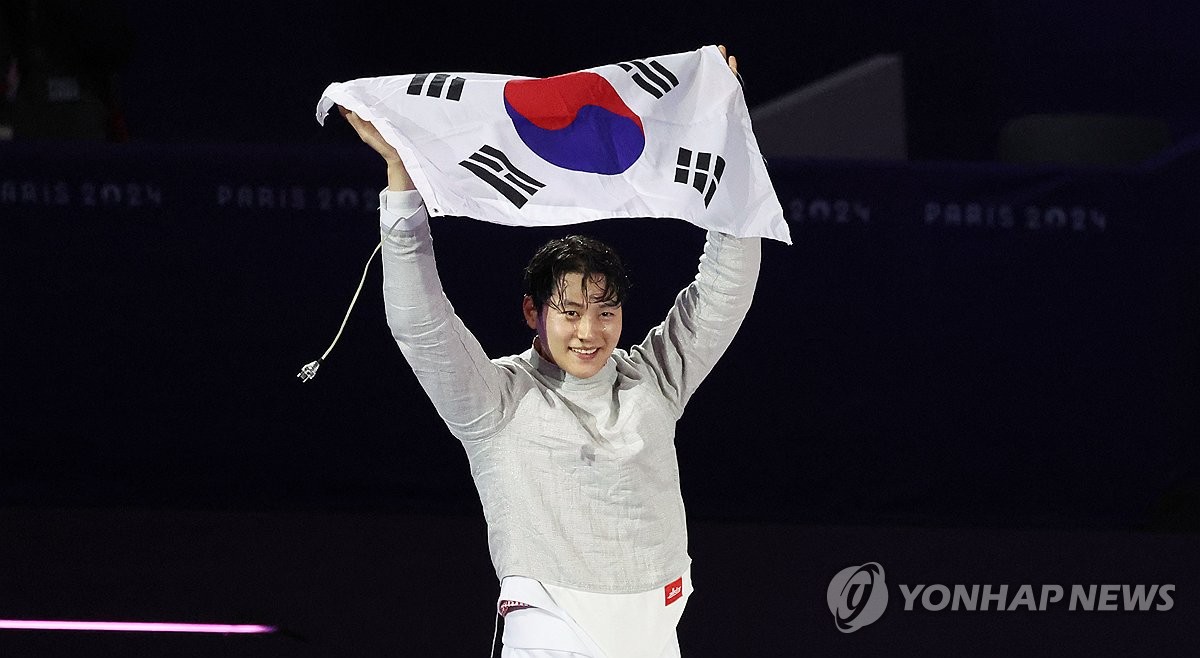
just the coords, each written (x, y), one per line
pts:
(576, 121)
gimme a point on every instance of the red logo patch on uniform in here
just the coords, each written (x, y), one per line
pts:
(673, 591)
(506, 606)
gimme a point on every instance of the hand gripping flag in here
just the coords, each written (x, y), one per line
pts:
(666, 136)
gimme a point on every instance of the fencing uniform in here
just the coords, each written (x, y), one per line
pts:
(578, 478)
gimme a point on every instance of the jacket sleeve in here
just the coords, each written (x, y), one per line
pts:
(684, 348)
(467, 389)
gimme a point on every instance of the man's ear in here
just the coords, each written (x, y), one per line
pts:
(530, 312)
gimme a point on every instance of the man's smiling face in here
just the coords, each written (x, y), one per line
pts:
(576, 329)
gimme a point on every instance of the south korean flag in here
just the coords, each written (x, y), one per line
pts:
(666, 136)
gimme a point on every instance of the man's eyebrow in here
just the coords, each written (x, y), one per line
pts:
(566, 303)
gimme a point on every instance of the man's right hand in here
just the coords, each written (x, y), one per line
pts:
(398, 179)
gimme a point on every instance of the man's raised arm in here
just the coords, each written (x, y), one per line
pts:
(465, 387)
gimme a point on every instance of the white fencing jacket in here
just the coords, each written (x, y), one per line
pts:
(578, 478)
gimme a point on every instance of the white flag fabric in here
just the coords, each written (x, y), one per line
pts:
(666, 136)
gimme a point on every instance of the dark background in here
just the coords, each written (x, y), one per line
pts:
(1014, 405)
(225, 70)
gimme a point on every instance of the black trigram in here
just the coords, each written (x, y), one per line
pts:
(493, 167)
(651, 76)
(437, 86)
(704, 170)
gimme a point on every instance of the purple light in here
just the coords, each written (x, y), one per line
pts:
(131, 626)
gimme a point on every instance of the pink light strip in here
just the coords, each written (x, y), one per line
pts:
(131, 626)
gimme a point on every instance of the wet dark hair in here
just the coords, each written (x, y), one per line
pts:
(546, 272)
